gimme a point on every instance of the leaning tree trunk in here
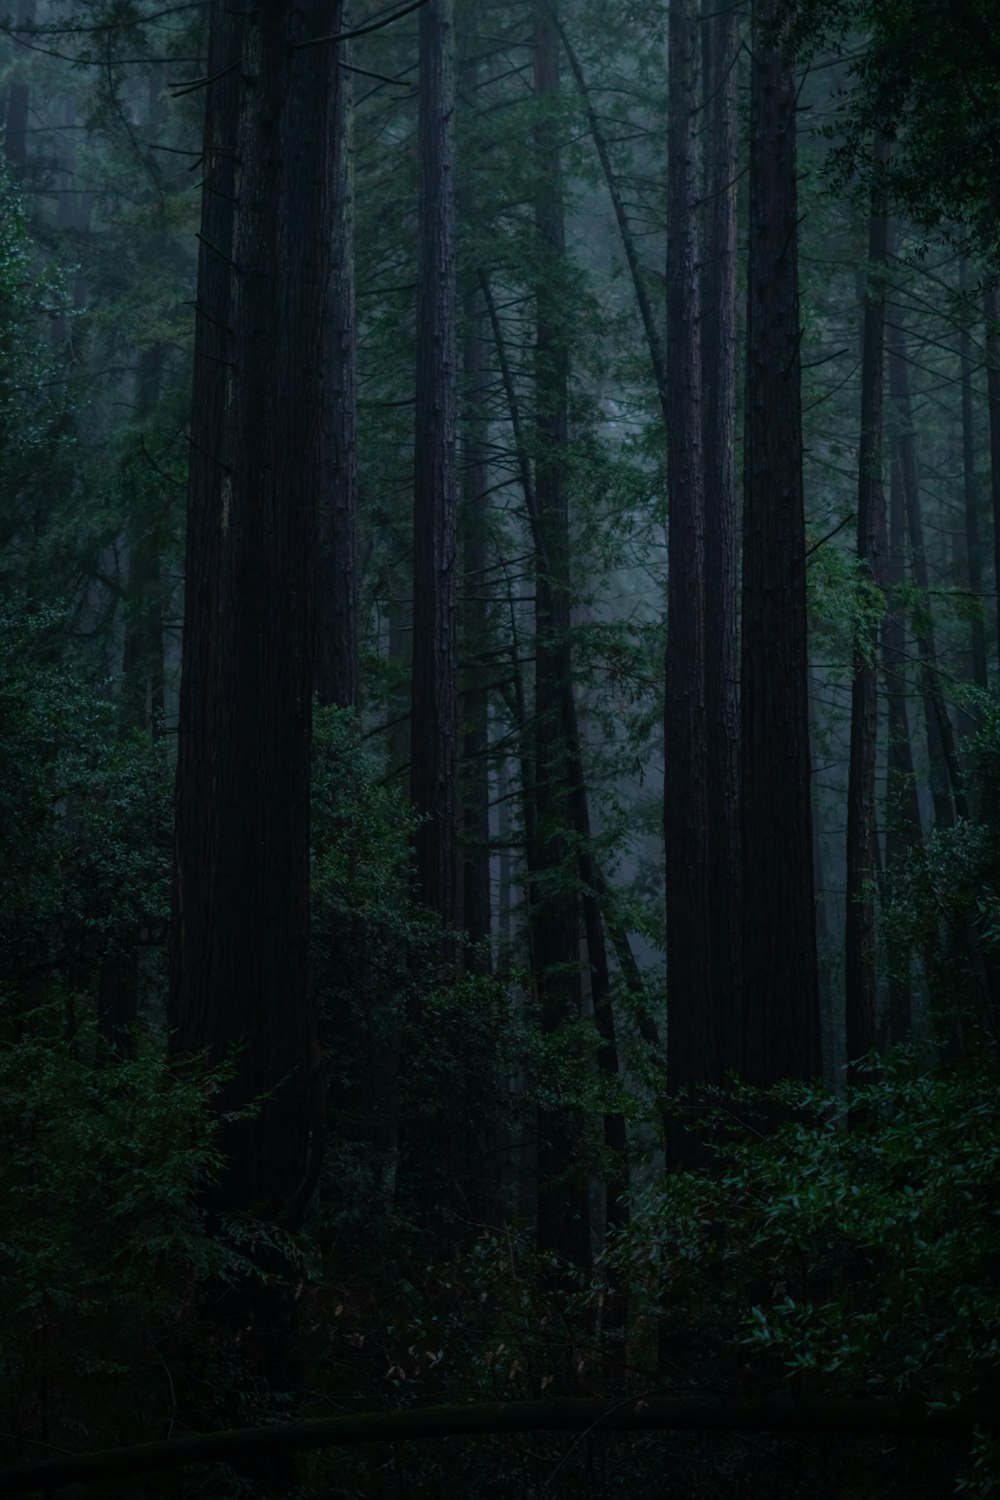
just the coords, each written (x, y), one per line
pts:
(862, 854)
(780, 981)
(692, 1029)
(239, 976)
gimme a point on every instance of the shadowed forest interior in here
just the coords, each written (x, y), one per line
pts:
(500, 749)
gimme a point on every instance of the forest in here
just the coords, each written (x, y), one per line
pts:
(500, 749)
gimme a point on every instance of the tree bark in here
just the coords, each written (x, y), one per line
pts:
(720, 79)
(992, 315)
(970, 495)
(563, 1213)
(239, 979)
(337, 655)
(781, 985)
(862, 853)
(946, 781)
(434, 719)
(902, 812)
(477, 913)
(692, 1025)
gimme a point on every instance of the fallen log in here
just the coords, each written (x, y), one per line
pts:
(903, 1418)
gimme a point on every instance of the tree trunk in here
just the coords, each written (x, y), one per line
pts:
(239, 981)
(19, 93)
(692, 1031)
(992, 315)
(946, 780)
(781, 985)
(862, 857)
(970, 494)
(434, 719)
(476, 904)
(902, 812)
(563, 1213)
(337, 604)
(720, 52)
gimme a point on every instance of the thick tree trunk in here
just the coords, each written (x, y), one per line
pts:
(434, 720)
(781, 986)
(946, 781)
(337, 603)
(239, 981)
(692, 1025)
(720, 78)
(862, 855)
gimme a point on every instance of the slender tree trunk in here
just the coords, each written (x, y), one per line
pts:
(902, 813)
(970, 494)
(563, 1213)
(781, 985)
(19, 92)
(992, 315)
(142, 660)
(476, 905)
(692, 1025)
(337, 603)
(862, 858)
(640, 279)
(946, 780)
(239, 981)
(434, 720)
(720, 78)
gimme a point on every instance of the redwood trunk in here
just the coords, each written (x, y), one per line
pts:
(337, 605)
(720, 40)
(781, 986)
(862, 852)
(240, 983)
(692, 1031)
(434, 721)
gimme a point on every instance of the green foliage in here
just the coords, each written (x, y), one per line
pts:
(84, 822)
(103, 1247)
(834, 1261)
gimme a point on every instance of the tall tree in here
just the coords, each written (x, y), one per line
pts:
(692, 1039)
(862, 854)
(719, 260)
(992, 315)
(337, 605)
(902, 809)
(434, 720)
(563, 1214)
(946, 778)
(970, 490)
(239, 980)
(780, 981)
